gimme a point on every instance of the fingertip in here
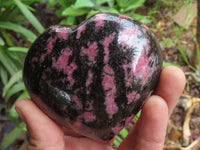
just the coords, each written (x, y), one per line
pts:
(171, 85)
(154, 108)
(19, 103)
(174, 73)
(19, 108)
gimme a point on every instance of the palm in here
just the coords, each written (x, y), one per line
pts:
(76, 143)
(148, 133)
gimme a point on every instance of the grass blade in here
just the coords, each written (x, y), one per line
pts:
(18, 49)
(29, 16)
(123, 133)
(83, 4)
(4, 75)
(7, 62)
(8, 40)
(2, 43)
(117, 141)
(30, 36)
(12, 136)
(71, 11)
(16, 77)
(14, 90)
(137, 116)
(13, 115)
(170, 64)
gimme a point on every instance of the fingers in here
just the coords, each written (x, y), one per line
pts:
(171, 85)
(149, 132)
(44, 133)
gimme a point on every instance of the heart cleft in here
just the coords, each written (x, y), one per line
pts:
(93, 79)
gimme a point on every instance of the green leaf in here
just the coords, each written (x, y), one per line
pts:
(13, 115)
(122, 3)
(69, 20)
(7, 62)
(30, 36)
(4, 75)
(138, 115)
(123, 133)
(71, 11)
(65, 3)
(109, 10)
(8, 40)
(170, 64)
(14, 90)
(142, 19)
(117, 141)
(29, 16)
(83, 4)
(183, 54)
(15, 78)
(2, 43)
(18, 49)
(100, 2)
(12, 136)
(17, 58)
(91, 13)
(134, 4)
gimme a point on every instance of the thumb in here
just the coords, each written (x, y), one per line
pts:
(44, 132)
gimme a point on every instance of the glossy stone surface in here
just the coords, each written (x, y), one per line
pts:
(93, 78)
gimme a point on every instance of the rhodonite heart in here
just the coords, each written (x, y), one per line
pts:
(94, 78)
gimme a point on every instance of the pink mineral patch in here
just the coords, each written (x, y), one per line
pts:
(110, 91)
(63, 60)
(127, 36)
(99, 21)
(142, 68)
(76, 100)
(108, 80)
(111, 106)
(80, 30)
(50, 44)
(132, 96)
(89, 80)
(91, 51)
(62, 64)
(108, 70)
(128, 75)
(128, 119)
(144, 28)
(106, 42)
(88, 117)
(125, 17)
(69, 71)
(61, 32)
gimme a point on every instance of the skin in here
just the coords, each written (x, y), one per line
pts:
(148, 133)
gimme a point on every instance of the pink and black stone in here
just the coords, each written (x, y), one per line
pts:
(93, 78)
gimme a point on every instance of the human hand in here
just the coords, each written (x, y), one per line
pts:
(148, 133)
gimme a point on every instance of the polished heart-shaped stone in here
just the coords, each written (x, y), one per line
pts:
(93, 79)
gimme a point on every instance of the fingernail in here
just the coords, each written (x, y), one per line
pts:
(19, 113)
